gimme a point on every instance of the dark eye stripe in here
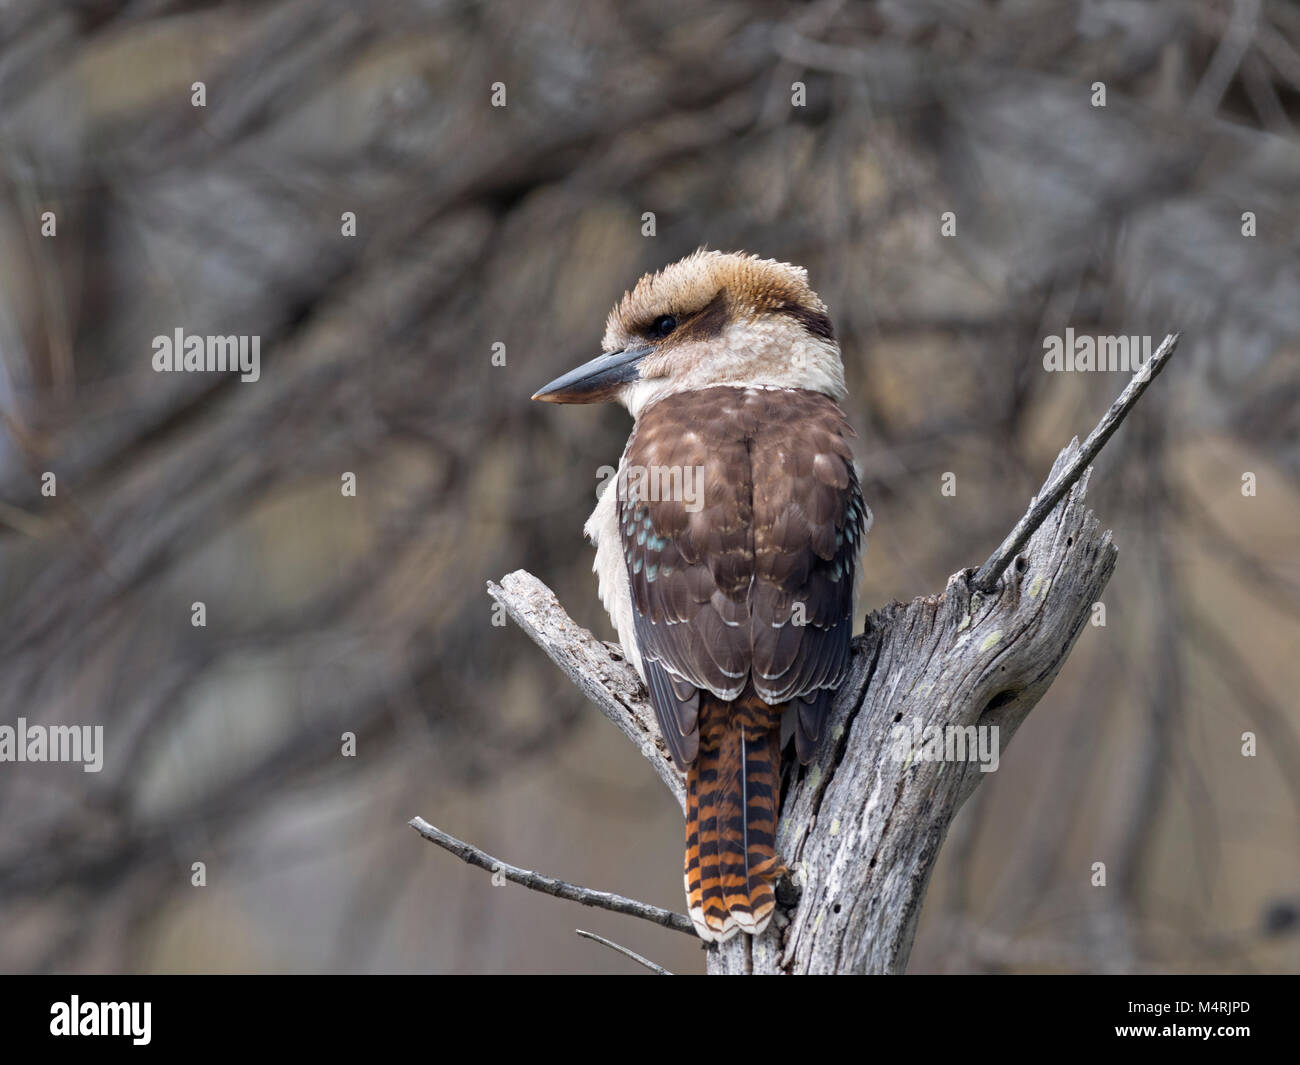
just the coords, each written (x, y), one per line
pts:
(708, 321)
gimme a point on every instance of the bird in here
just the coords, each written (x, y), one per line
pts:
(727, 545)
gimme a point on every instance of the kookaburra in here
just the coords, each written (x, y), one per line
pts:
(726, 547)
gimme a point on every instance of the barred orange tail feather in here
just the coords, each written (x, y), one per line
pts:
(732, 790)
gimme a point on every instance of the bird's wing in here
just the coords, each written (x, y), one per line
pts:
(740, 518)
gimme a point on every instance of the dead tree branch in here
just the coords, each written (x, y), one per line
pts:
(598, 669)
(987, 577)
(862, 826)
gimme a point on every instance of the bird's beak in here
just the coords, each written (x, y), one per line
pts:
(597, 380)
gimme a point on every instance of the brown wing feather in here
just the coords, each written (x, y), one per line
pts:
(741, 520)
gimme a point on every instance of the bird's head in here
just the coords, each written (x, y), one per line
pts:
(711, 319)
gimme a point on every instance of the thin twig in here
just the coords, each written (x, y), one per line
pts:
(986, 579)
(652, 966)
(561, 889)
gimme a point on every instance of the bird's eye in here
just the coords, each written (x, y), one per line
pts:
(663, 325)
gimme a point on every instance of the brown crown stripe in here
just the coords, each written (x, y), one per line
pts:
(817, 322)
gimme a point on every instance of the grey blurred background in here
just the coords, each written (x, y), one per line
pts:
(522, 225)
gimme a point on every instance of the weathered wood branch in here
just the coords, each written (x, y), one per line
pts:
(599, 669)
(1057, 485)
(862, 825)
(865, 825)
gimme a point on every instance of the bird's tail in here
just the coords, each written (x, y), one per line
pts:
(732, 790)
